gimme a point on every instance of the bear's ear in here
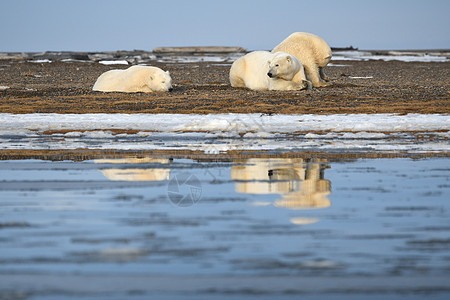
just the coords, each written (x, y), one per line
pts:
(168, 73)
(288, 58)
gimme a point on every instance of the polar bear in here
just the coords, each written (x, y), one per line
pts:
(262, 70)
(313, 52)
(134, 79)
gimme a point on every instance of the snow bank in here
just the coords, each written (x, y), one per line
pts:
(228, 122)
(222, 132)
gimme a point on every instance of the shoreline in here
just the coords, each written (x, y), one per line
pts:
(90, 154)
(61, 82)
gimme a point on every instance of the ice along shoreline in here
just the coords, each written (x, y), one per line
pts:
(216, 133)
(218, 53)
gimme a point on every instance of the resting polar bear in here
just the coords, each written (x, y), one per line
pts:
(313, 52)
(134, 79)
(262, 70)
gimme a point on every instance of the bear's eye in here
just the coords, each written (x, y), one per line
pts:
(163, 81)
(277, 65)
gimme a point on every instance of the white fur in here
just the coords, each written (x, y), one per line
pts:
(312, 51)
(134, 79)
(253, 69)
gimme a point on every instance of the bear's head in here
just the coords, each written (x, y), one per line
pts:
(160, 81)
(283, 66)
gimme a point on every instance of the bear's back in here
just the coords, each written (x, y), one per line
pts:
(306, 46)
(109, 81)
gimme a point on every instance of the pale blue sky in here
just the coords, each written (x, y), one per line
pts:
(107, 25)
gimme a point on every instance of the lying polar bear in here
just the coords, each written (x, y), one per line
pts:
(312, 51)
(262, 70)
(134, 79)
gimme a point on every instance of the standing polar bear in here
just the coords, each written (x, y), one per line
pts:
(134, 79)
(312, 51)
(262, 70)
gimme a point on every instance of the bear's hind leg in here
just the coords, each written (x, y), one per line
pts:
(237, 71)
(236, 81)
(323, 75)
(312, 74)
(308, 84)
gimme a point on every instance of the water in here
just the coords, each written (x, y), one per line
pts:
(261, 225)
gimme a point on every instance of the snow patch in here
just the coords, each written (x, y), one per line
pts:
(216, 133)
(113, 62)
(40, 61)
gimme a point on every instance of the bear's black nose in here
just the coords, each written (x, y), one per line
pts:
(269, 74)
(170, 89)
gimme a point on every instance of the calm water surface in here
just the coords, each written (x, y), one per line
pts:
(256, 227)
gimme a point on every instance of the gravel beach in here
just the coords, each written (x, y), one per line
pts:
(372, 86)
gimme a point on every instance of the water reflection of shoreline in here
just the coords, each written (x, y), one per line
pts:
(136, 174)
(300, 182)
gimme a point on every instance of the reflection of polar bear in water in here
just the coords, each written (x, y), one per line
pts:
(301, 184)
(136, 174)
(262, 70)
(312, 51)
(135, 79)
